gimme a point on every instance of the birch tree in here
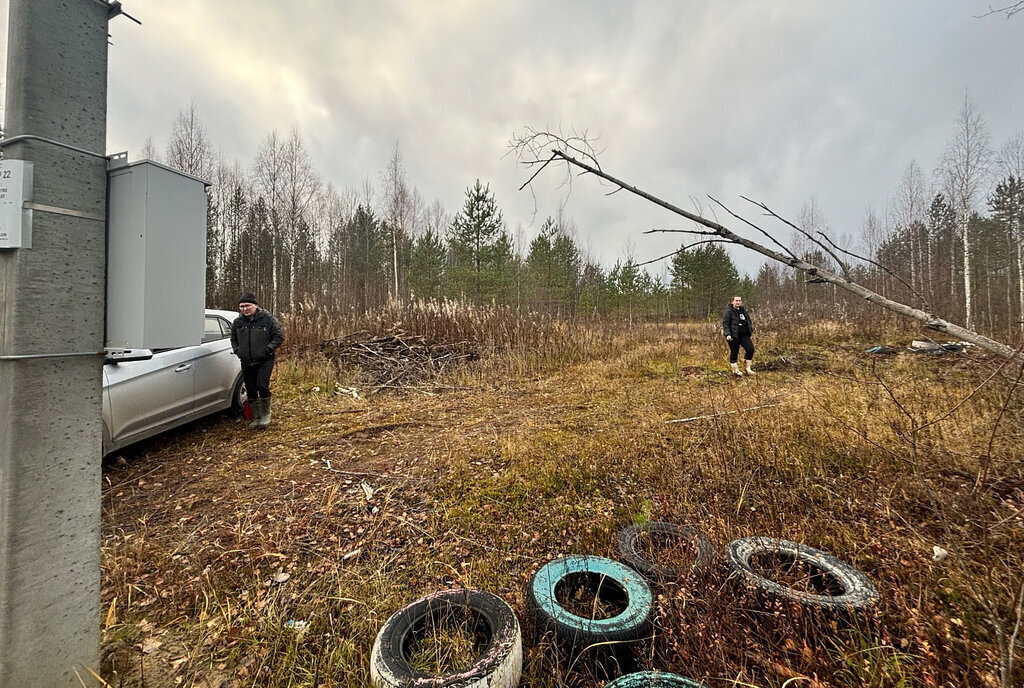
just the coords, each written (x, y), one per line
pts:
(148, 151)
(397, 211)
(963, 172)
(268, 175)
(188, 148)
(909, 209)
(300, 185)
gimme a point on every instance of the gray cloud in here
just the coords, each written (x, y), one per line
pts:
(779, 101)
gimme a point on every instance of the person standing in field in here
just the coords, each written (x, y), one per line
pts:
(737, 328)
(255, 336)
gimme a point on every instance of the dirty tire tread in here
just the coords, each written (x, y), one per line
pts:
(652, 679)
(858, 590)
(631, 625)
(626, 545)
(499, 666)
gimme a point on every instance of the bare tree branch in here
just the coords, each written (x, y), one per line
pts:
(534, 176)
(843, 266)
(751, 224)
(680, 250)
(1009, 10)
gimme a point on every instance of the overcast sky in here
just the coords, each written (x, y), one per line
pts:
(779, 101)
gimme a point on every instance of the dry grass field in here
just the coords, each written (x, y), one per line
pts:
(236, 558)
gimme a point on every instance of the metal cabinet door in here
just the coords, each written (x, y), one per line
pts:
(148, 396)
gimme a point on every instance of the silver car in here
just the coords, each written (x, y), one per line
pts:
(144, 397)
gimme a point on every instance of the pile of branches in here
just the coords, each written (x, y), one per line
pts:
(395, 359)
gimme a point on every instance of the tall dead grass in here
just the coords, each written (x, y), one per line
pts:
(512, 341)
(877, 460)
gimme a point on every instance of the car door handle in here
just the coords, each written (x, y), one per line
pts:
(183, 367)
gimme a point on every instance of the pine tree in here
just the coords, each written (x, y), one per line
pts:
(703, 278)
(539, 266)
(1007, 205)
(472, 237)
(626, 282)
(593, 289)
(427, 268)
(942, 225)
(566, 260)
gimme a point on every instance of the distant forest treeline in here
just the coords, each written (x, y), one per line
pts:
(952, 242)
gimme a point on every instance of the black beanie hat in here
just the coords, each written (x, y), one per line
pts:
(248, 297)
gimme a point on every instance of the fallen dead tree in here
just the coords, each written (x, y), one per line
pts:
(395, 359)
(532, 148)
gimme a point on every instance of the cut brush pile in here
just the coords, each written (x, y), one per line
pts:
(395, 359)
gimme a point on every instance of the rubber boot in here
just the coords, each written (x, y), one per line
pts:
(265, 413)
(750, 368)
(255, 405)
(736, 369)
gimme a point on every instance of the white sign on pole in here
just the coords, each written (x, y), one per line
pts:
(15, 189)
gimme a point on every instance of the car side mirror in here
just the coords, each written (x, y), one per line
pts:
(125, 355)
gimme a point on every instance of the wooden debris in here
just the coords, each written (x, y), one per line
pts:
(395, 359)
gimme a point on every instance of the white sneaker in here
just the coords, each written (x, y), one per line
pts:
(736, 369)
(750, 369)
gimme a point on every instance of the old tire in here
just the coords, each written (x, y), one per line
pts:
(652, 679)
(629, 537)
(578, 632)
(498, 666)
(854, 590)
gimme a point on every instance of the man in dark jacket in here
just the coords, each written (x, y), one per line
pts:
(737, 328)
(255, 336)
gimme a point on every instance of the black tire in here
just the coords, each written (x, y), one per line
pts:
(238, 397)
(853, 590)
(629, 537)
(498, 666)
(578, 632)
(652, 679)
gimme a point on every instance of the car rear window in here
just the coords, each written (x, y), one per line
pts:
(215, 329)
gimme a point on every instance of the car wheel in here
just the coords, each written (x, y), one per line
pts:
(836, 584)
(238, 397)
(499, 642)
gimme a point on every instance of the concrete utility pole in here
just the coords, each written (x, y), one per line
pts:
(51, 328)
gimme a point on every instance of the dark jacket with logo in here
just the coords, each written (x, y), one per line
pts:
(255, 340)
(736, 322)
